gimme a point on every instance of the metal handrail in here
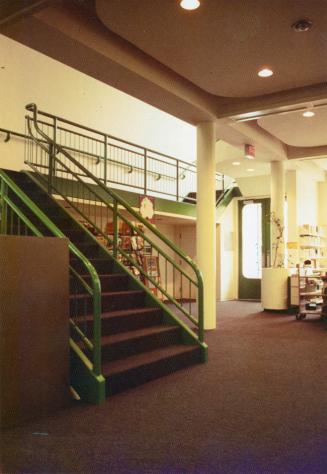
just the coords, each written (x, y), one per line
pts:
(96, 284)
(181, 166)
(148, 154)
(119, 200)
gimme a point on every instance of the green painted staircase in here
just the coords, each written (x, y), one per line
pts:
(140, 339)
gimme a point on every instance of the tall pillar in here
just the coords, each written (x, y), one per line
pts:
(277, 184)
(206, 218)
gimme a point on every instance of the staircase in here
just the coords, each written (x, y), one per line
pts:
(140, 340)
(223, 198)
(191, 197)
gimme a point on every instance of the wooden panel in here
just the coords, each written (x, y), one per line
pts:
(34, 332)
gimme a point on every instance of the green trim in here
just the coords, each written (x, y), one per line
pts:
(90, 387)
(3, 191)
(226, 199)
(81, 335)
(19, 213)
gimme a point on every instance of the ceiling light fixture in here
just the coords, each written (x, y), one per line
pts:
(236, 163)
(308, 113)
(190, 4)
(302, 26)
(250, 169)
(265, 72)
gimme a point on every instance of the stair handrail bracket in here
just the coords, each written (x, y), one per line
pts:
(6, 204)
(59, 164)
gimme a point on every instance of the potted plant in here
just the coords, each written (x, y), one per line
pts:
(274, 278)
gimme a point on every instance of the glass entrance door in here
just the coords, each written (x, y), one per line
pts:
(253, 246)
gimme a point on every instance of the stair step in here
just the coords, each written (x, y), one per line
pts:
(75, 235)
(140, 368)
(107, 294)
(109, 282)
(102, 265)
(110, 301)
(126, 344)
(89, 249)
(124, 320)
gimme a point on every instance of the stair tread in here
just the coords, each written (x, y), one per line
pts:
(121, 313)
(94, 259)
(106, 275)
(109, 293)
(142, 359)
(137, 333)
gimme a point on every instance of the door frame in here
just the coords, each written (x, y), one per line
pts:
(251, 290)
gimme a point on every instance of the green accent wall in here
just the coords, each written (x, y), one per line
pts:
(133, 199)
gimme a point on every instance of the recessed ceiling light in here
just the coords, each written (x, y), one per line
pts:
(190, 4)
(236, 163)
(308, 113)
(301, 26)
(250, 169)
(265, 72)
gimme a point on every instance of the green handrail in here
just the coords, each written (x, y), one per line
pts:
(96, 285)
(118, 199)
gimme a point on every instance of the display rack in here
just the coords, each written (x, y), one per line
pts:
(312, 292)
(313, 245)
(138, 249)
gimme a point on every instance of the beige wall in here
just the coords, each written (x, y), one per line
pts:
(322, 196)
(29, 76)
(307, 199)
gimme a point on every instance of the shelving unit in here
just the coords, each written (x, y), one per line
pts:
(313, 245)
(312, 292)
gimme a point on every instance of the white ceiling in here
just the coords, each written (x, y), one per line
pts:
(226, 154)
(228, 40)
(220, 47)
(296, 130)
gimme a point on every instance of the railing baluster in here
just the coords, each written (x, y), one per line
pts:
(4, 208)
(115, 229)
(166, 274)
(177, 180)
(105, 156)
(145, 164)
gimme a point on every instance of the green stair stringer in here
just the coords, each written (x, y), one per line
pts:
(90, 387)
(226, 199)
(188, 335)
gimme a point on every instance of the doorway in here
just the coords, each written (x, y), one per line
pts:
(254, 246)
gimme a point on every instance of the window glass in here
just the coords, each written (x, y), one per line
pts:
(252, 240)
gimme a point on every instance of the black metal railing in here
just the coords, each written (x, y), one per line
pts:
(123, 164)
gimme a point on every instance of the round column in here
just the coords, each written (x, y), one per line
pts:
(206, 218)
(277, 204)
(274, 278)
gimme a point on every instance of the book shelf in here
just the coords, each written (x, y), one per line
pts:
(139, 251)
(311, 292)
(313, 245)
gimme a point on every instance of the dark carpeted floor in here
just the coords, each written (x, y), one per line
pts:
(258, 406)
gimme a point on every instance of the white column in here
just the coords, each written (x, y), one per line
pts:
(206, 218)
(277, 207)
